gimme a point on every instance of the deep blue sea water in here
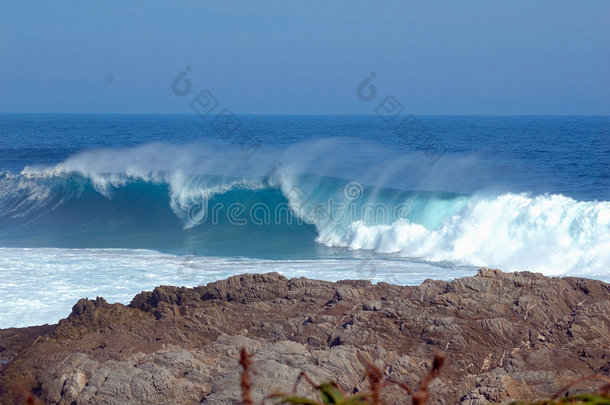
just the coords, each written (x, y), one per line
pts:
(113, 204)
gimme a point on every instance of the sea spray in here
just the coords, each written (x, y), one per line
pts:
(202, 199)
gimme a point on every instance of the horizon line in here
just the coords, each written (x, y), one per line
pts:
(321, 114)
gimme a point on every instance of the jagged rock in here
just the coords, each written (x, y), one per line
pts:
(505, 335)
(371, 305)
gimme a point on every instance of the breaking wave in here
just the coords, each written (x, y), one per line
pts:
(192, 199)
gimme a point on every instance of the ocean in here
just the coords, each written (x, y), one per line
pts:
(110, 205)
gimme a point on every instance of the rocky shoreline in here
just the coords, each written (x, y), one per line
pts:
(505, 335)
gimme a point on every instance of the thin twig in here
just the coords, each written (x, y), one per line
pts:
(246, 362)
(304, 375)
(422, 395)
(375, 377)
(603, 390)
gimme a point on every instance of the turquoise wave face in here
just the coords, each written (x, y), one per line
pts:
(163, 197)
(274, 216)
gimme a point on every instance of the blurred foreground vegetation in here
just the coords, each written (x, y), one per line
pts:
(330, 393)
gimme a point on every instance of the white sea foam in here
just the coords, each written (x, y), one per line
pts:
(41, 285)
(552, 234)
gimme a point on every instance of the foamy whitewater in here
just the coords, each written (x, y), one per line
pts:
(57, 278)
(115, 221)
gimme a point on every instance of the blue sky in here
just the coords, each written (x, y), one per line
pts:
(306, 57)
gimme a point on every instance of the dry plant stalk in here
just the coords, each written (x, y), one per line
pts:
(331, 392)
(604, 390)
(375, 377)
(246, 362)
(304, 375)
(422, 395)
(23, 395)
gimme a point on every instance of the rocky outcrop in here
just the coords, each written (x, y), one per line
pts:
(505, 335)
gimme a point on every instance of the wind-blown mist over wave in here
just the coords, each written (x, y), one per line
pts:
(205, 199)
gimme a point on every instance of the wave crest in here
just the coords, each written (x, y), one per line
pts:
(552, 234)
(143, 191)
